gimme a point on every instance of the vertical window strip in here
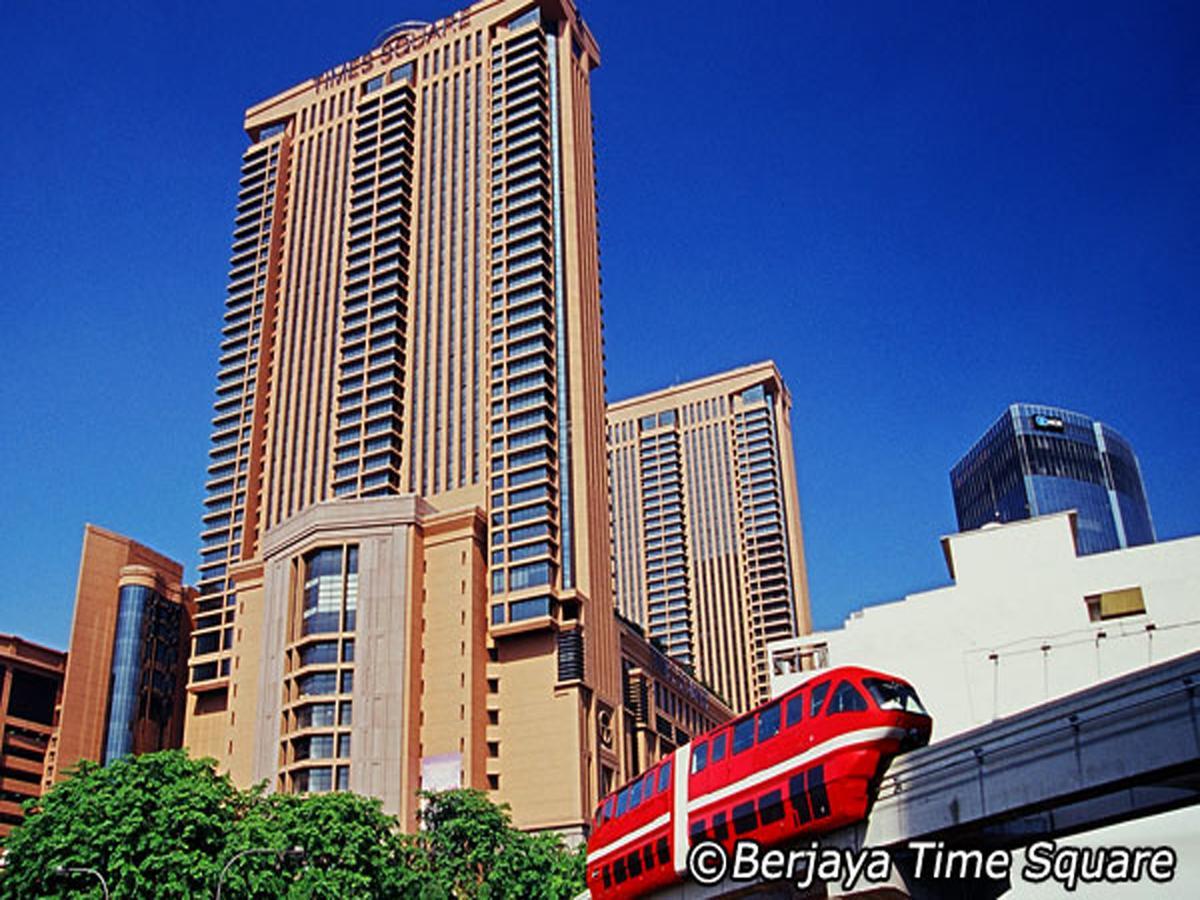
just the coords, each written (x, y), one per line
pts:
(429, 120)
(464, 157)
(302, 436)
(563, 426)
(313, 300)
(329, 349)
(449, 263)
(289, 315)
(481, 306)
(442, 411)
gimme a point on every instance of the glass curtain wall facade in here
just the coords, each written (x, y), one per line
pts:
(1038, 459)
(144, 686)
(319, 680)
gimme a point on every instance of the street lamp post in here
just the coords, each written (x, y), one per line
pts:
(293, 853)
(81, 870)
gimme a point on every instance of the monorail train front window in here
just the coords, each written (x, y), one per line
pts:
(894, 695)
(846, 698)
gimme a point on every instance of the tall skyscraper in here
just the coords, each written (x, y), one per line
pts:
(31, 678)
(125, 681)
(708, 551)
(1038, 459)
(405, 549)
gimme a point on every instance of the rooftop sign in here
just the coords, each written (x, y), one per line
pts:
(407, 39)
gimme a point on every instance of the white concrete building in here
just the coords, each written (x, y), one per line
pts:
(1025, 621)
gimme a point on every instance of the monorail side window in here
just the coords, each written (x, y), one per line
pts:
(696, 832)
(664, 851)
(700, 758)
(720, 827)
(648, 786)
(744, 819)
(846, 698)
(634, 861)
(743, 735)
(620, 873)
(799, 797)
(635, 795)
(648, 857)
(795, 710)
(718, 746)
(768, 722)
(622, 802)
(607, 878)
(664, 776)
(609, 807)
(817, 698)
(770, 807)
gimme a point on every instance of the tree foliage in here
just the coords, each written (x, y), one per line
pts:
(350, 848)
(153, 825)
(467, 848)
(164, 826)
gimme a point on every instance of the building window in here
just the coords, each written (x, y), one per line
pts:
(1115, 604)
(532, 575)
(322, 592)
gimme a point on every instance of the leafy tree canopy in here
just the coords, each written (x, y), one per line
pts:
(165, 826)
(153, 825)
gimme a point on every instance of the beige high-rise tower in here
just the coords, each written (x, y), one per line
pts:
(708, 551)
(405, 575)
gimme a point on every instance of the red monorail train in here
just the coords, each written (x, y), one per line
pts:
(804, 763)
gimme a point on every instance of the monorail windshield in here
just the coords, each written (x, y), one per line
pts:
(894, 695)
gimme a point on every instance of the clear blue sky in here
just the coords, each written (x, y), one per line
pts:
(922, 212)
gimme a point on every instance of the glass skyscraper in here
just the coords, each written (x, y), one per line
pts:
(1039, 459)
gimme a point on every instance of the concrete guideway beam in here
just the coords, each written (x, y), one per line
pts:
(1122, 749)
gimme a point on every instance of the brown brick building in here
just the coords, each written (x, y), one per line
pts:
(31, 678)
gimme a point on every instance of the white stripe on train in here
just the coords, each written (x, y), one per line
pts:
(630, 838)
(682, 766)
(841, 742)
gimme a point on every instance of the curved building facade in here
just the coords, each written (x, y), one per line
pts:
(1038, 459)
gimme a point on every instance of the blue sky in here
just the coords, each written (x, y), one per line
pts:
(920, 212)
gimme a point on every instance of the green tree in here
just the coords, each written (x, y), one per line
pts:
(467, 848)
(164, 826)
(154, 826)
(351, 848)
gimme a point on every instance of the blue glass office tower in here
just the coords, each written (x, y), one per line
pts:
(1038, 459)
(145, 663)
